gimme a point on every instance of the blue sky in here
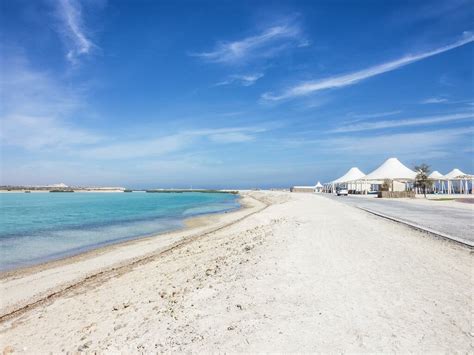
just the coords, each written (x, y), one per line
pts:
(232, 93)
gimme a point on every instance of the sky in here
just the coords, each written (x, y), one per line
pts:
(232, 94)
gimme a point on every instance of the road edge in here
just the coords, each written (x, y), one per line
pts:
(462, 241)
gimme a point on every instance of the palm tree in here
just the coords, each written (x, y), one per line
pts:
(422, 180)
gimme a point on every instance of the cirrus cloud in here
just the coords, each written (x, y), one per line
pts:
(267, 43)
(73, 30)
(340, 81)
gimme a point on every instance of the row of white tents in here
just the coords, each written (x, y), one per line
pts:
(401, 178)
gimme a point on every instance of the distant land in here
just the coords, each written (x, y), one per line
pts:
(65, 188)
(59, 188)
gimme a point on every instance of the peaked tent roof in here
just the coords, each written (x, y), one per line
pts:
(351, 175)
(319, 184)
(455, 173)
(391, 169)
(436, 175)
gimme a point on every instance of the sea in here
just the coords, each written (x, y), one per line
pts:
(40, 227)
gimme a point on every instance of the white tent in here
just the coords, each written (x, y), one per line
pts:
(462, 181)
(439, 183)
(391, 169)
(319, 187)
(436, 175)
(350, 179)
(352, 174)
(454, 174)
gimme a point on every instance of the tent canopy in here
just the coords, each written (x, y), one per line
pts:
(319, 184)
(391, 169)
(436, 175)
(453, 174)
(352, 174)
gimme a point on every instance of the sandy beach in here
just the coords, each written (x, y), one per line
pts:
(288, 273)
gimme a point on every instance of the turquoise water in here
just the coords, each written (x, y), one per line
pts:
(38, 227)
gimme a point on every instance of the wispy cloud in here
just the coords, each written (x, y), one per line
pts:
(213, 131)
(178, 142)
(38, 116)
(375, 115)
(434, 100)
(232, 137)
(368, 126)
(340, 81)
(267, 43)
(231, 113)
(244, 80)
(36, 109)
(436, 142)
(73, 30)
(400, 143)
(36, 132)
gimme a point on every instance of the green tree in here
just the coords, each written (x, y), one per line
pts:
(422, 180)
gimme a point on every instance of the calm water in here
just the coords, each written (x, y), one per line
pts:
(38, 227)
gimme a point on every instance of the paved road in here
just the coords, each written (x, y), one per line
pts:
(449, 220)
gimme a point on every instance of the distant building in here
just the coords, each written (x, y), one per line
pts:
(303, 189)
(55, 186)
(319, 187)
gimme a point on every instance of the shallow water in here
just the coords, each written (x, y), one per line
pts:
(38, 227)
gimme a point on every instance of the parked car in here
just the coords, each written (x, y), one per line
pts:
(342, 192)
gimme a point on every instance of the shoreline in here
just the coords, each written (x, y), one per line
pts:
(119, 255)
(185, 223)
(188, 223)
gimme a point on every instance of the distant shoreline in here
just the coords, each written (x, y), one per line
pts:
(56, 191)
(105, 190)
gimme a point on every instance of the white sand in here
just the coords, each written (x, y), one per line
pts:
(305, 274)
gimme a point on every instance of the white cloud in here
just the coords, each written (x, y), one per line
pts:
(400, 143)
(212, 131)
(37, 132)
(424, 144)
(367, 126)
(244, 80)
(139, 148)
(267, 43)
(434, 100)
(36, 107)
(26, 91)
(154, 147)
(231, 137)
(37, 113)
(73, 30)
(376, 115)
(309, 87)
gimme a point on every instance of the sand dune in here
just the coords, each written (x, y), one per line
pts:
(304, 274)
